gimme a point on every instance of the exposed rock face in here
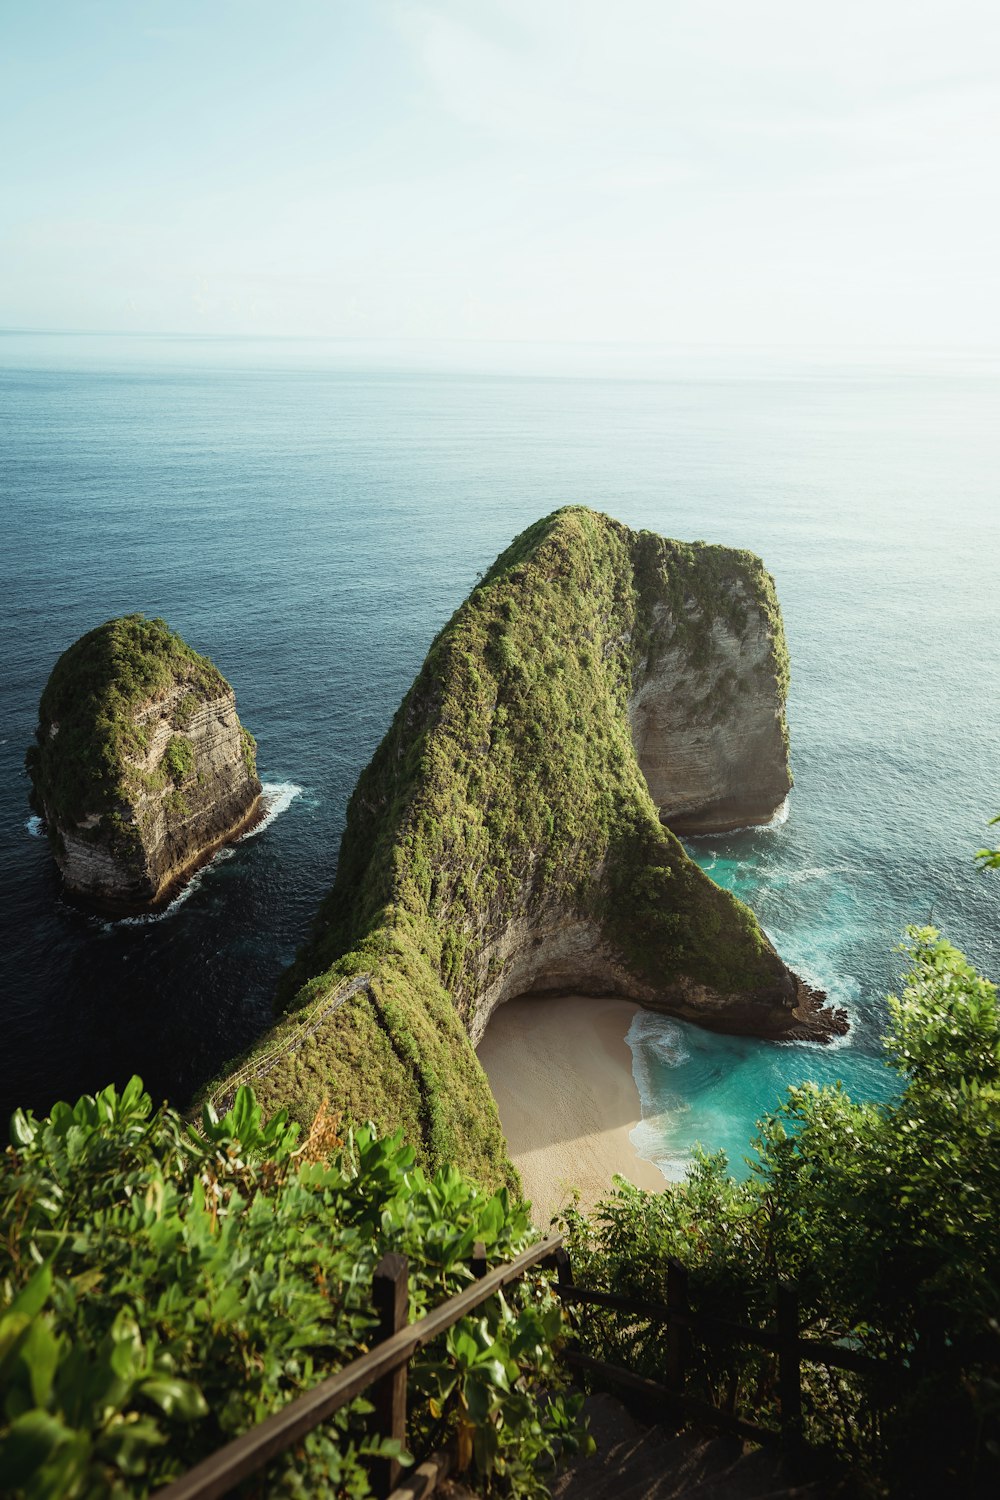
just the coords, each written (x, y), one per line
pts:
(562, 955)
(142, 768)
(509, 835)
(711, 740)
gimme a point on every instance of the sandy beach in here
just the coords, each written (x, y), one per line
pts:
(561, 1073)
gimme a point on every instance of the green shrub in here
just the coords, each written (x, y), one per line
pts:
(178, 759)
(163, 1288)
(886, 1217)
(249, 751)
(185, 710)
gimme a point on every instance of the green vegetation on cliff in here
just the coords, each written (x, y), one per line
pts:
(508, 786)
(89, 739)
(510, 763)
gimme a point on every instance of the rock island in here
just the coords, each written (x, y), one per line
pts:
(141, 768)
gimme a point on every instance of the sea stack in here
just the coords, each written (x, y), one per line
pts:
(513, 834)
(141, 767)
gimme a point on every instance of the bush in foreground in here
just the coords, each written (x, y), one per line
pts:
(163, 1288)
(887, 1217)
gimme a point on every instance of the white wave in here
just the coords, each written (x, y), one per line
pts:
(663, 1037)
(844, 990)
(799, 877)
(811, 872)
(277, 798)
(186, 890)
(652, 1036)
(780, 814)
(35, 827)
(835, 996)
(777, 818)
(647, 1140)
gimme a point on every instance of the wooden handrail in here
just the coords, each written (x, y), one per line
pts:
(304, 1027)
(784, 1340)
(386, 1364)
(245, 1455)
(812, 1351)
(656, 1394)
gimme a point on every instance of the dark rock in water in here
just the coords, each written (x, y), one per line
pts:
(141, 767)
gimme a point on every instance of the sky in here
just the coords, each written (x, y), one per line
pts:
(696, 172)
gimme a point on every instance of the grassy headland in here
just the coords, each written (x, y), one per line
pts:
(140, 767)
(506, 808)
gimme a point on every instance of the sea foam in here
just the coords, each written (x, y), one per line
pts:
(780, 815)
(652, 1037)
(277, 797)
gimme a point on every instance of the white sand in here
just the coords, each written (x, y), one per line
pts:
(561, 1073)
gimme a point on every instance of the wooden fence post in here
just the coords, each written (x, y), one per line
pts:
(789, 1367)
(564, 1271)
(390, 1298)
(678, 1333)
(479, 1267)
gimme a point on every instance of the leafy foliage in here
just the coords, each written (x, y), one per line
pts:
(249, 751)
(178, 759)
(507, 784)
(887, 1217)
(163, 1288)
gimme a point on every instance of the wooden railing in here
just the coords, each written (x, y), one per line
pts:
(384, 1367)
(302, 1027)
(384, 1370)
(784, 1339)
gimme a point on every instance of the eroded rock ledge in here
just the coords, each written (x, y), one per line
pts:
(513, 832)
(141, 768)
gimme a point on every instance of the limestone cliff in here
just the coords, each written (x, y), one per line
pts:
(141, 767)
(710, 734)
(509, 835)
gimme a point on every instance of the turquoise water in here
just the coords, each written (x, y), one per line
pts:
(310, 514)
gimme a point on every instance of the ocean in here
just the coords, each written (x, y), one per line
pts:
(310, 513)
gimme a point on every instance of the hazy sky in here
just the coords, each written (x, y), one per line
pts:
(694, 171)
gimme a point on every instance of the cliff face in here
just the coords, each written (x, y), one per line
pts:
(710, 739)
(508, 836)
(141, 767)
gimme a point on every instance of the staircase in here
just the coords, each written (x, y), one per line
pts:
(633, 1462)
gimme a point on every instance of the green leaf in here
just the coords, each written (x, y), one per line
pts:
(126, 1351)
(30, 1443)
(174, 1397)
(23, 1128)
(35, 1293)
(40, 1353)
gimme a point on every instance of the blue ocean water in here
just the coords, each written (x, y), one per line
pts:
(310, 514)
